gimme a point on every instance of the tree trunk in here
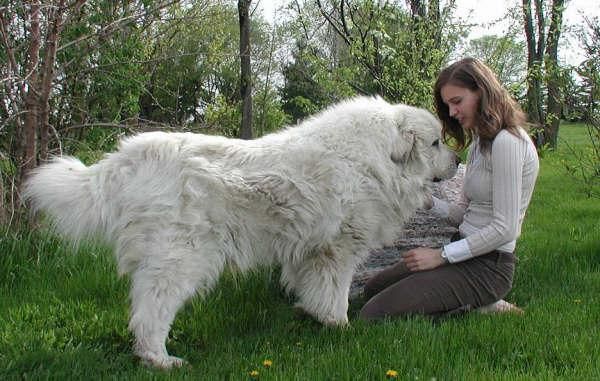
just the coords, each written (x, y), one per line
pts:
(263, 114)
(28, 160)
(246, 75)
(56, 21)
(535, 111)
(554, 105)
(417, 8)
(435, 18)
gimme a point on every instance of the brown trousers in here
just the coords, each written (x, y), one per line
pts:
(446, 290)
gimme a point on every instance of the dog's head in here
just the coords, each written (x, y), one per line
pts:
(418, 145)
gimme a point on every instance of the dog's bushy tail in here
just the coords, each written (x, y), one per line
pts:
(66, 190)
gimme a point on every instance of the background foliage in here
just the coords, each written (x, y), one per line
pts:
(128, 66)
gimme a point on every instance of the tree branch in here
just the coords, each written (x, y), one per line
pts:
(331, 22)
(123, 21)
(12, 62)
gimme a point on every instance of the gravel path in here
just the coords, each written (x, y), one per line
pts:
(424, 229)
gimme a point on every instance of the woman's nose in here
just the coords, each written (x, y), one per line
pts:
(452, 111)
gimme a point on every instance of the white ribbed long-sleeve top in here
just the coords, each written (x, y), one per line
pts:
(496, 192)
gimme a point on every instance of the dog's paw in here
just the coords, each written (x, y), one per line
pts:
(340, 322)
(161, 361)
(329, 320)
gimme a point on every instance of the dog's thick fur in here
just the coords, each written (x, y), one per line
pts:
(315, 198)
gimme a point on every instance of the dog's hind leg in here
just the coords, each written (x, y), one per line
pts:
(160, 286)
(323, 284)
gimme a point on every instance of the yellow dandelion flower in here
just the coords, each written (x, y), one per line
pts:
(254, 374)
(391, 374)
(577, 301)
(267, 363)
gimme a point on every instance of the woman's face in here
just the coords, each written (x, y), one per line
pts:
(462, 104)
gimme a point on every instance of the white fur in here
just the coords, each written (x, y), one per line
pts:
(315, 198)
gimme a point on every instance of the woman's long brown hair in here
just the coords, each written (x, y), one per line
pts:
(497, 110)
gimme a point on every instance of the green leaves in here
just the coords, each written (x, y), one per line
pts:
(385, 51)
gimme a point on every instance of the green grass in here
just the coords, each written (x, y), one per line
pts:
(63, 314)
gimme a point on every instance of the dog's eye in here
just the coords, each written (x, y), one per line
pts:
(436, 143)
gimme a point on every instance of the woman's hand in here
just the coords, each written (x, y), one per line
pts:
(423, 258)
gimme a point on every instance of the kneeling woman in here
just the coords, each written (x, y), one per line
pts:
(476, 269)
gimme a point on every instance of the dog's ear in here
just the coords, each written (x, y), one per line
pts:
(403, 147)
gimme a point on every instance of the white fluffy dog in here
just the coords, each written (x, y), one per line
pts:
(315, 198)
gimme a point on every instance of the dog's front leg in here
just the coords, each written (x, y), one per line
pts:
(323, 283)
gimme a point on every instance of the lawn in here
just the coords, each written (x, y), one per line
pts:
(64, 313)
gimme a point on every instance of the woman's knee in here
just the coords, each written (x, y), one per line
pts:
(372, 287)
(385, 305)
(370, 312)
(385, 278)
